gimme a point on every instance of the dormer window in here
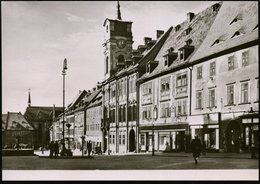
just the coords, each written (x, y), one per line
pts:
(188, 30)
(237, 33)
(181, 54)
(236, 19)
(177, 28)
(185, 51)
(150, 66)
(218, 41)
(189, 42)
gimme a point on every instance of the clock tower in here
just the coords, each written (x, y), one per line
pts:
(117, 44)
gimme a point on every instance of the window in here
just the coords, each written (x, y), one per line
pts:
(165, 110)
(257, 90)
(181, 107)
(230, 63)
(120, 135)
(244, 92)
(212, 69)
(199, 72)
(188, 31)
(182, 80)
(123, 137)
(245, 56)
(106, 64)
(212, 98)
(181, 54)
(121, 59)
(165, 84)
(147, 88)
(237, 33)
(148, 67)
(189, 42)
(181, 84)
(142, 140)
(147, 113)
(199, 100)
(230, 94)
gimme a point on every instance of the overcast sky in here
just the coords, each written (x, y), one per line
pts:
(37, 36)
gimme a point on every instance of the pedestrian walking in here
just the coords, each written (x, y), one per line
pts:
(56, 149)
(51, 148)
(196, 148)
(89, 147)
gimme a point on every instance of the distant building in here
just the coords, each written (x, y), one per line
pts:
(41, 118)
(93, 120)
(16, 129)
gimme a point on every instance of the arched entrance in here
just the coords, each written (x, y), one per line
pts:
(131, 140)
(233, 136)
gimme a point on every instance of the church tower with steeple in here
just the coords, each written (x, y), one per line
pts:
(29, 99)
(117, 44)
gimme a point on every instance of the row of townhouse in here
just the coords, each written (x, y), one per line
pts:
(82, 118)
(198, 78)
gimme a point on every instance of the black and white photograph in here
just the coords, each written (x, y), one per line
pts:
(130, 90)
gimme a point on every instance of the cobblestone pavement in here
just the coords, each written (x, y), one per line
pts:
(132, 161)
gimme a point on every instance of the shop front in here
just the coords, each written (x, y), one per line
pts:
(206, 127)
(166, 138)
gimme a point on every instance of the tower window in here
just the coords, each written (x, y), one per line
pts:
(107, 29)
(121, 59)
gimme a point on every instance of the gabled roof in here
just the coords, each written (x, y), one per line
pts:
(78, 98)
(40, 113)
(224, 27)
(97, 101)
(178, 38)
(15, 121)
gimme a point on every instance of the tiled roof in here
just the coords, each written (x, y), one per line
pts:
(16, 121)
(4, 119)
(96, 101)
(39, 113)
(199, 25)
(78, 98)
(246, 13)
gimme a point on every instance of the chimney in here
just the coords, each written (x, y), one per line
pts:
(99, 85)
(159, 33)
(79, 91)
(190, 16)
(146, 40)
(94, 89)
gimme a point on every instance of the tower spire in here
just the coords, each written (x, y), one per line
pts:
(118, 11)
(29, 99)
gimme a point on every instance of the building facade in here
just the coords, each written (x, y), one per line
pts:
(16, 130)
(164, 100)
(225, 82)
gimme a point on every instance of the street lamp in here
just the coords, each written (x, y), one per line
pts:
(68, 125)
(63, 115)
(155, 116)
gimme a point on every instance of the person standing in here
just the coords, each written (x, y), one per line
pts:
(89, 147)
(56, 149)
(196, 148)
(51, 148)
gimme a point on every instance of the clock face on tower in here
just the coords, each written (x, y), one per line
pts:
(121, 43)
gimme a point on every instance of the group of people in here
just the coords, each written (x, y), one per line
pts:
(54, 148)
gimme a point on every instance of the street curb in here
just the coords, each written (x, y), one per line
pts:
(68, 157)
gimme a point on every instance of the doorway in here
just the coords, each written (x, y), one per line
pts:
(131, 140)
